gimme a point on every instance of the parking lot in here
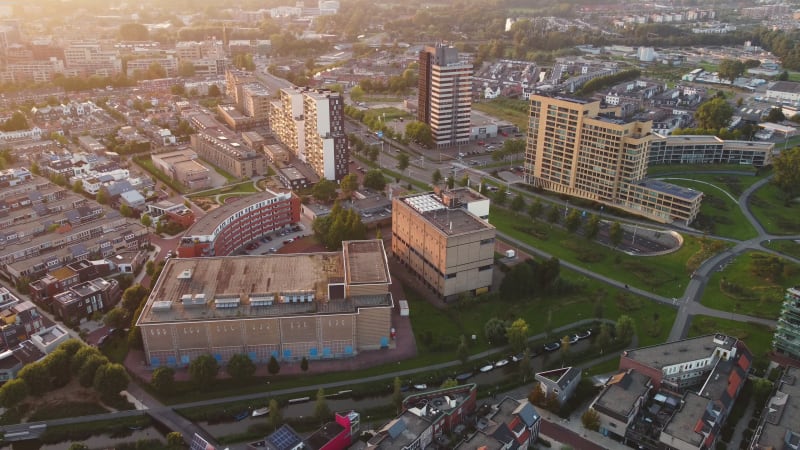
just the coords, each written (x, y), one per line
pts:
(274, 241)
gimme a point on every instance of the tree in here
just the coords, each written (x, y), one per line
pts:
(273, 367)
(115, 318)
(786, 167)
(133, 32)
(402, 161)
(372, 153)
(449, 383)
(495, 331)
(714, 114)
(125, 210)
(591, 420)
(36, 377)
(615, 233)
(592, 227)
(451, 182)
(275, 416)
(349, 184)
(80, 357)
(13, 393)
(462, 352)
(397, 393)
(58, 367)
(110, 379)
(573, 221)
(537, 396)
(730, 69)
(146, 221)
(186, 69)
(554, 214)
(518, 203)
(625, 328)
(603, 338)
(88, 370)
(436, 177)
(213, 91)
(775, 115)
(132, 298)
(501, 195)
(419, 132)
(175, 440)
(321, 410)
(324, 190)
(464, 181)
(565, 347)
(374, 180)
(102, 197)
(240, 367)
(203, 370)
(517, 335)
(525, 365)
(16, 122)
(535, 208)
(77, 187)
(163, 380)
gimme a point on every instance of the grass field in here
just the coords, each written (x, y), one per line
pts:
(777, 218)
(757, 337)
(514, 111)
(654, 319)
(787, 246)
(740, 289)
(246, 187)
(386, 114)
(719, 214)
(664, 275)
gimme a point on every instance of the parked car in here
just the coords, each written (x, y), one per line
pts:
(573, 339)
(486, 368)
(553, 346)
(501, 363)
(584, 334)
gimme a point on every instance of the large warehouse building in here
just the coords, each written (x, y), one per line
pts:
(318, 306)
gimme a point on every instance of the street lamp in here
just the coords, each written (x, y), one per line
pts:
(566, 209)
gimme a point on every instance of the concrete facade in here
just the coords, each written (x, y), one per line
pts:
(445, 95)
(448, 248)
(573, 150)
(318, 306)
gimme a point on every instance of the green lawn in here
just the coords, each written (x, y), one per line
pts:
(719, 214)
(386, 114)
(379, 99)
(790, 247)
(447, 325)
(514, 111)
(664, 275)
(739, 289)
(246, 187)
(757, 337)
(768, 207)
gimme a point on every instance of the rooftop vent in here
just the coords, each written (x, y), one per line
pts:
(185, 275)
(162, 305)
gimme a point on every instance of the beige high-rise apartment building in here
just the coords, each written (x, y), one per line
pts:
(311, 124)
(445, 95)
(573, 150)
(447, 247)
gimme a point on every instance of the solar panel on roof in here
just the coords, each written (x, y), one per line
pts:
(284, 438)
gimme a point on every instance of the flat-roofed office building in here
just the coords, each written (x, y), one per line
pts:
(450, 249)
